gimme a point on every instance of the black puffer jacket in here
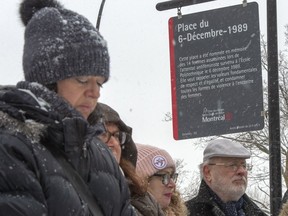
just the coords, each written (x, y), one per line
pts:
(203, 204)
(31, 180)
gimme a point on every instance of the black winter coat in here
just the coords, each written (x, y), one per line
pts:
(32, 183)
(203, 204)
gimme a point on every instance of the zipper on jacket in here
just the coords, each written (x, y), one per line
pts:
(84, 148)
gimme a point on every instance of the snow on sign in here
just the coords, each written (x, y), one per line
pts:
(216, 77)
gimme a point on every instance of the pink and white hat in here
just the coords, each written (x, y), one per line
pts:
(152, 159)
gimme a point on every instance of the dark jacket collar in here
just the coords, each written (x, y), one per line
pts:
(204, 197)
(50, 99)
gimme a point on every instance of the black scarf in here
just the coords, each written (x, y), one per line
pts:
(232, 208)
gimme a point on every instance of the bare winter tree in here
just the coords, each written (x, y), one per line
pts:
(188, 182)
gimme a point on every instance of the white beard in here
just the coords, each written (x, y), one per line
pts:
(227, 189)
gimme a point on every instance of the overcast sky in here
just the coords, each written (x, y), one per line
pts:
(139, 87)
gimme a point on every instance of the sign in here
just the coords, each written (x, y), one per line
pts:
(216, 78)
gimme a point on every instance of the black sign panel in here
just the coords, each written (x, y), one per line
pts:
(216, 77)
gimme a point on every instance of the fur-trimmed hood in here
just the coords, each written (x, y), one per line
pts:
(30, 129)
(21, 111)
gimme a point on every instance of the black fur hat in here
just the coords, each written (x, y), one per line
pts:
(60, 44)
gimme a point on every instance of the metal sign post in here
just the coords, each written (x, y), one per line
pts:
(273, 105)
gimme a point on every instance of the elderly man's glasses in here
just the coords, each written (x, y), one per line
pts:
(120, 136)
(166, 178)
(234, 166)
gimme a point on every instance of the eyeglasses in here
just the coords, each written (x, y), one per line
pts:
(120, 136)
(234, 166)
(166, 178)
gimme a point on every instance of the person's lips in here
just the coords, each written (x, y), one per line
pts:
(169, 195)
(240, 181)
(86, 107)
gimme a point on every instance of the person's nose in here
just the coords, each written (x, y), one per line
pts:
(93, 91)
(241, 169)
(113, 141)
(171, 183)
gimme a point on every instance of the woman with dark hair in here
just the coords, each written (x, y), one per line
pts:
(118, 137)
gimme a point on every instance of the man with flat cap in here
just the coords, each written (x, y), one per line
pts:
(224, 181)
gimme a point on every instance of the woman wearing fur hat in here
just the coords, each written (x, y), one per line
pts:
(118, 137)
(157, 168)
(44, 119)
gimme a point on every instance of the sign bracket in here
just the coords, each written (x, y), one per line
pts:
(161, 6)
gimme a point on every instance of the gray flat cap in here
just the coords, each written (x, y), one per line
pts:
(225, 148)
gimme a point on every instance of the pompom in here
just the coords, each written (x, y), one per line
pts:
(29, 7)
